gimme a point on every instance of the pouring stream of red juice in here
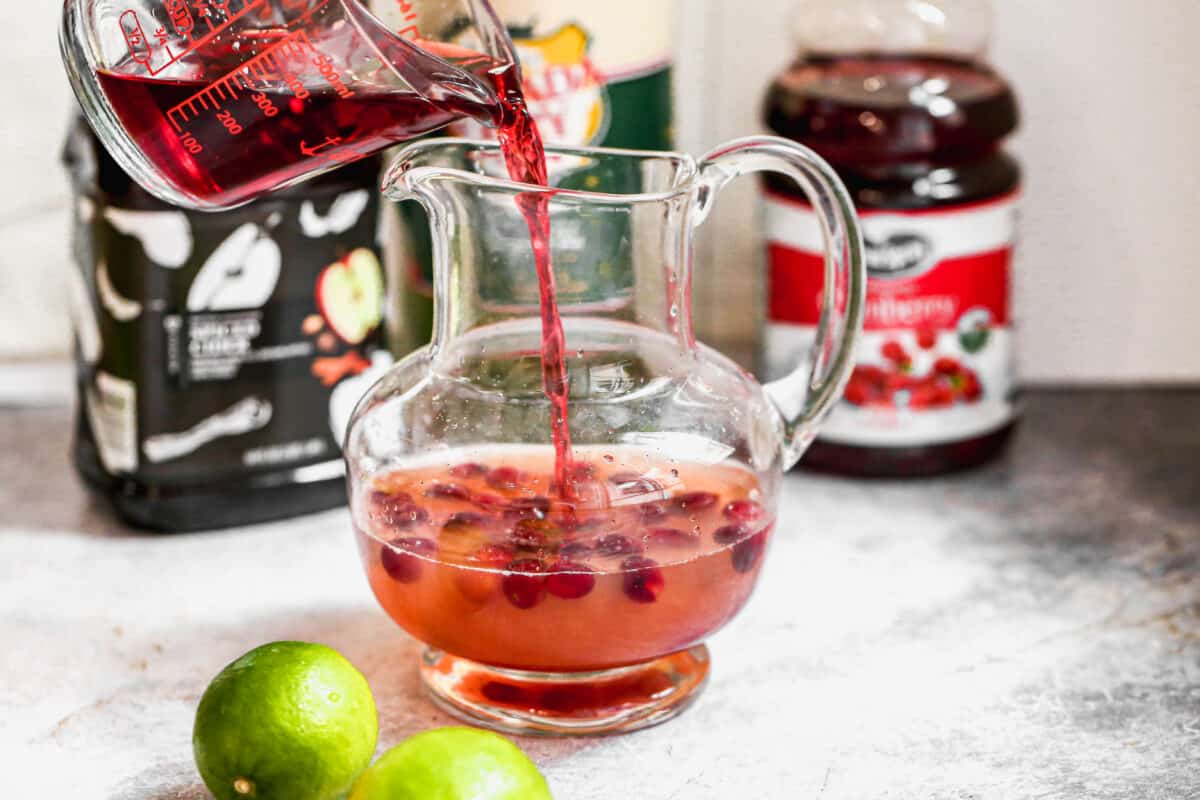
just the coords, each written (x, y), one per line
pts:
(289, 127)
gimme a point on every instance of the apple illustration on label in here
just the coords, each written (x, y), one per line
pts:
(350, 295)
(241, 273)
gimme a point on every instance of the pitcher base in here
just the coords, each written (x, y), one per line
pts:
(599, 703)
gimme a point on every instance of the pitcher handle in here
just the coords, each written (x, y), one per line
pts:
(807, 394)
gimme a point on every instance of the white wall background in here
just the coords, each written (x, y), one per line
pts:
(1108, 279)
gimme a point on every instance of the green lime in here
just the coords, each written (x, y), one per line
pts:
(453, 764)
(286, 721)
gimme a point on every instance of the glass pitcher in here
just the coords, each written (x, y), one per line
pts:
(582, 609)
(211, 103)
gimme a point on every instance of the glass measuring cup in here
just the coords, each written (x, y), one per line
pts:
(210, 103)
(583, 611)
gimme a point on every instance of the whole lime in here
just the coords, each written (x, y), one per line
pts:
(453, 764)
(286, 721)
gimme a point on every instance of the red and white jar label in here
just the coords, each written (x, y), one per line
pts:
(935, 363)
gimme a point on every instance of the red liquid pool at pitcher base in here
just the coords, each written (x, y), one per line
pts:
(482, 561)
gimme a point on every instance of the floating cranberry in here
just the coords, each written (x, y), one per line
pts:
(744, 511)
(614, 544)
(489, 502)
(448, 491)
(468, 470)
(380, 499)
(504, 478)
(927, 338)
(534, 534)
(401, 558)
(575, 549)
(570, 580)
(730, 534)
(643, 581)
(746, 553)
(672, 537)
(397, 510)
(464, 520)
(525, 583)
(691, 502)
(528, 508)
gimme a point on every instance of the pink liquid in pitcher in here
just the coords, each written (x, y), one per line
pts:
(485, 560)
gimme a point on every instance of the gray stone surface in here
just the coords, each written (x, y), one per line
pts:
(1028, 630)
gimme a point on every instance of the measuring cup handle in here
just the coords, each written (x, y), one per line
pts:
(807, 394)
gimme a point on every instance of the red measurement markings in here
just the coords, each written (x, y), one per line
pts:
(140, 47)
(135, 38)
(181, 17)
(408, 14)
(267, 64)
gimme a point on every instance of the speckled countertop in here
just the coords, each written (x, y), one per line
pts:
(1028, 630)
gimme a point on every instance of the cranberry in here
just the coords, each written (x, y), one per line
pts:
(533, 534)
(468, 470)
(449, 491)
(615, 544)
(643, 581)
(528, 508)
(570, 580)
(690, 502)
(504, 478)
(858, 393)
(525, 583)
(380, 499)
(894, 351)
(652, 512)
(746, 553)
(927, 338)
(397, 510)
(672, 537)
(463, 520)
(947, 366)
(744, 511)
(971, 388)
(730, 534)
(401, 558)
(575, 549)
(489, 502)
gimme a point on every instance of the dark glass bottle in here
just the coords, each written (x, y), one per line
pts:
(902, 106)
(219, 355)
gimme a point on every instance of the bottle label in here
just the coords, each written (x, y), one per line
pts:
(223, 345)
(935, 362)
(594, 74)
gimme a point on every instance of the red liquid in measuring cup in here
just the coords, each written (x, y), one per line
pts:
(259, 140)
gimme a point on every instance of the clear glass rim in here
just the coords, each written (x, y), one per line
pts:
(402, 175)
